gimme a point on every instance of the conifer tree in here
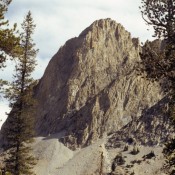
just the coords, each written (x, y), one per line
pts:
(9, 39)
(20, 130)
(9, 42)
(159, 62)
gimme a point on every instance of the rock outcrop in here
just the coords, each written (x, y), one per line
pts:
(91, 87)
(152, 128)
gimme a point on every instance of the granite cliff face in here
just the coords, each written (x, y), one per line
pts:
(91, 87)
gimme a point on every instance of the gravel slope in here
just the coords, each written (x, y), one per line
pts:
(51, 154)
(56, 159)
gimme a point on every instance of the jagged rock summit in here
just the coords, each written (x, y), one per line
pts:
(91, 87)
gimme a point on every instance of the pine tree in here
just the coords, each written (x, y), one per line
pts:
(160, 14)
(20, 131)
(159, 62)
(9, 41)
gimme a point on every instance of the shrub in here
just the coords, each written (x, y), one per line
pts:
(135, 151)
(125, 148)
(149, 156)
(119, 160)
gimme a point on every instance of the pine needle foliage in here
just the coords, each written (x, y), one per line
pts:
(158, 61)
(9, 41)
(169, 151)
(20, 130)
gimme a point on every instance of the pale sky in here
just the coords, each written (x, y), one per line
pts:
(59, 20)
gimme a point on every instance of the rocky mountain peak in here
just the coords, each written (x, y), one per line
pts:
(105, 30)
(91, 88)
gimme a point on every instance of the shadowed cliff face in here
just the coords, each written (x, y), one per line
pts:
(91, 88)
(153, 127)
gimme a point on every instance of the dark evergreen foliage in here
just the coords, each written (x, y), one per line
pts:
(169, 151)
(9, 42)
(20, 131)
(158, 61)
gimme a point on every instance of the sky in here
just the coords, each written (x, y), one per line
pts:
(59, 20)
